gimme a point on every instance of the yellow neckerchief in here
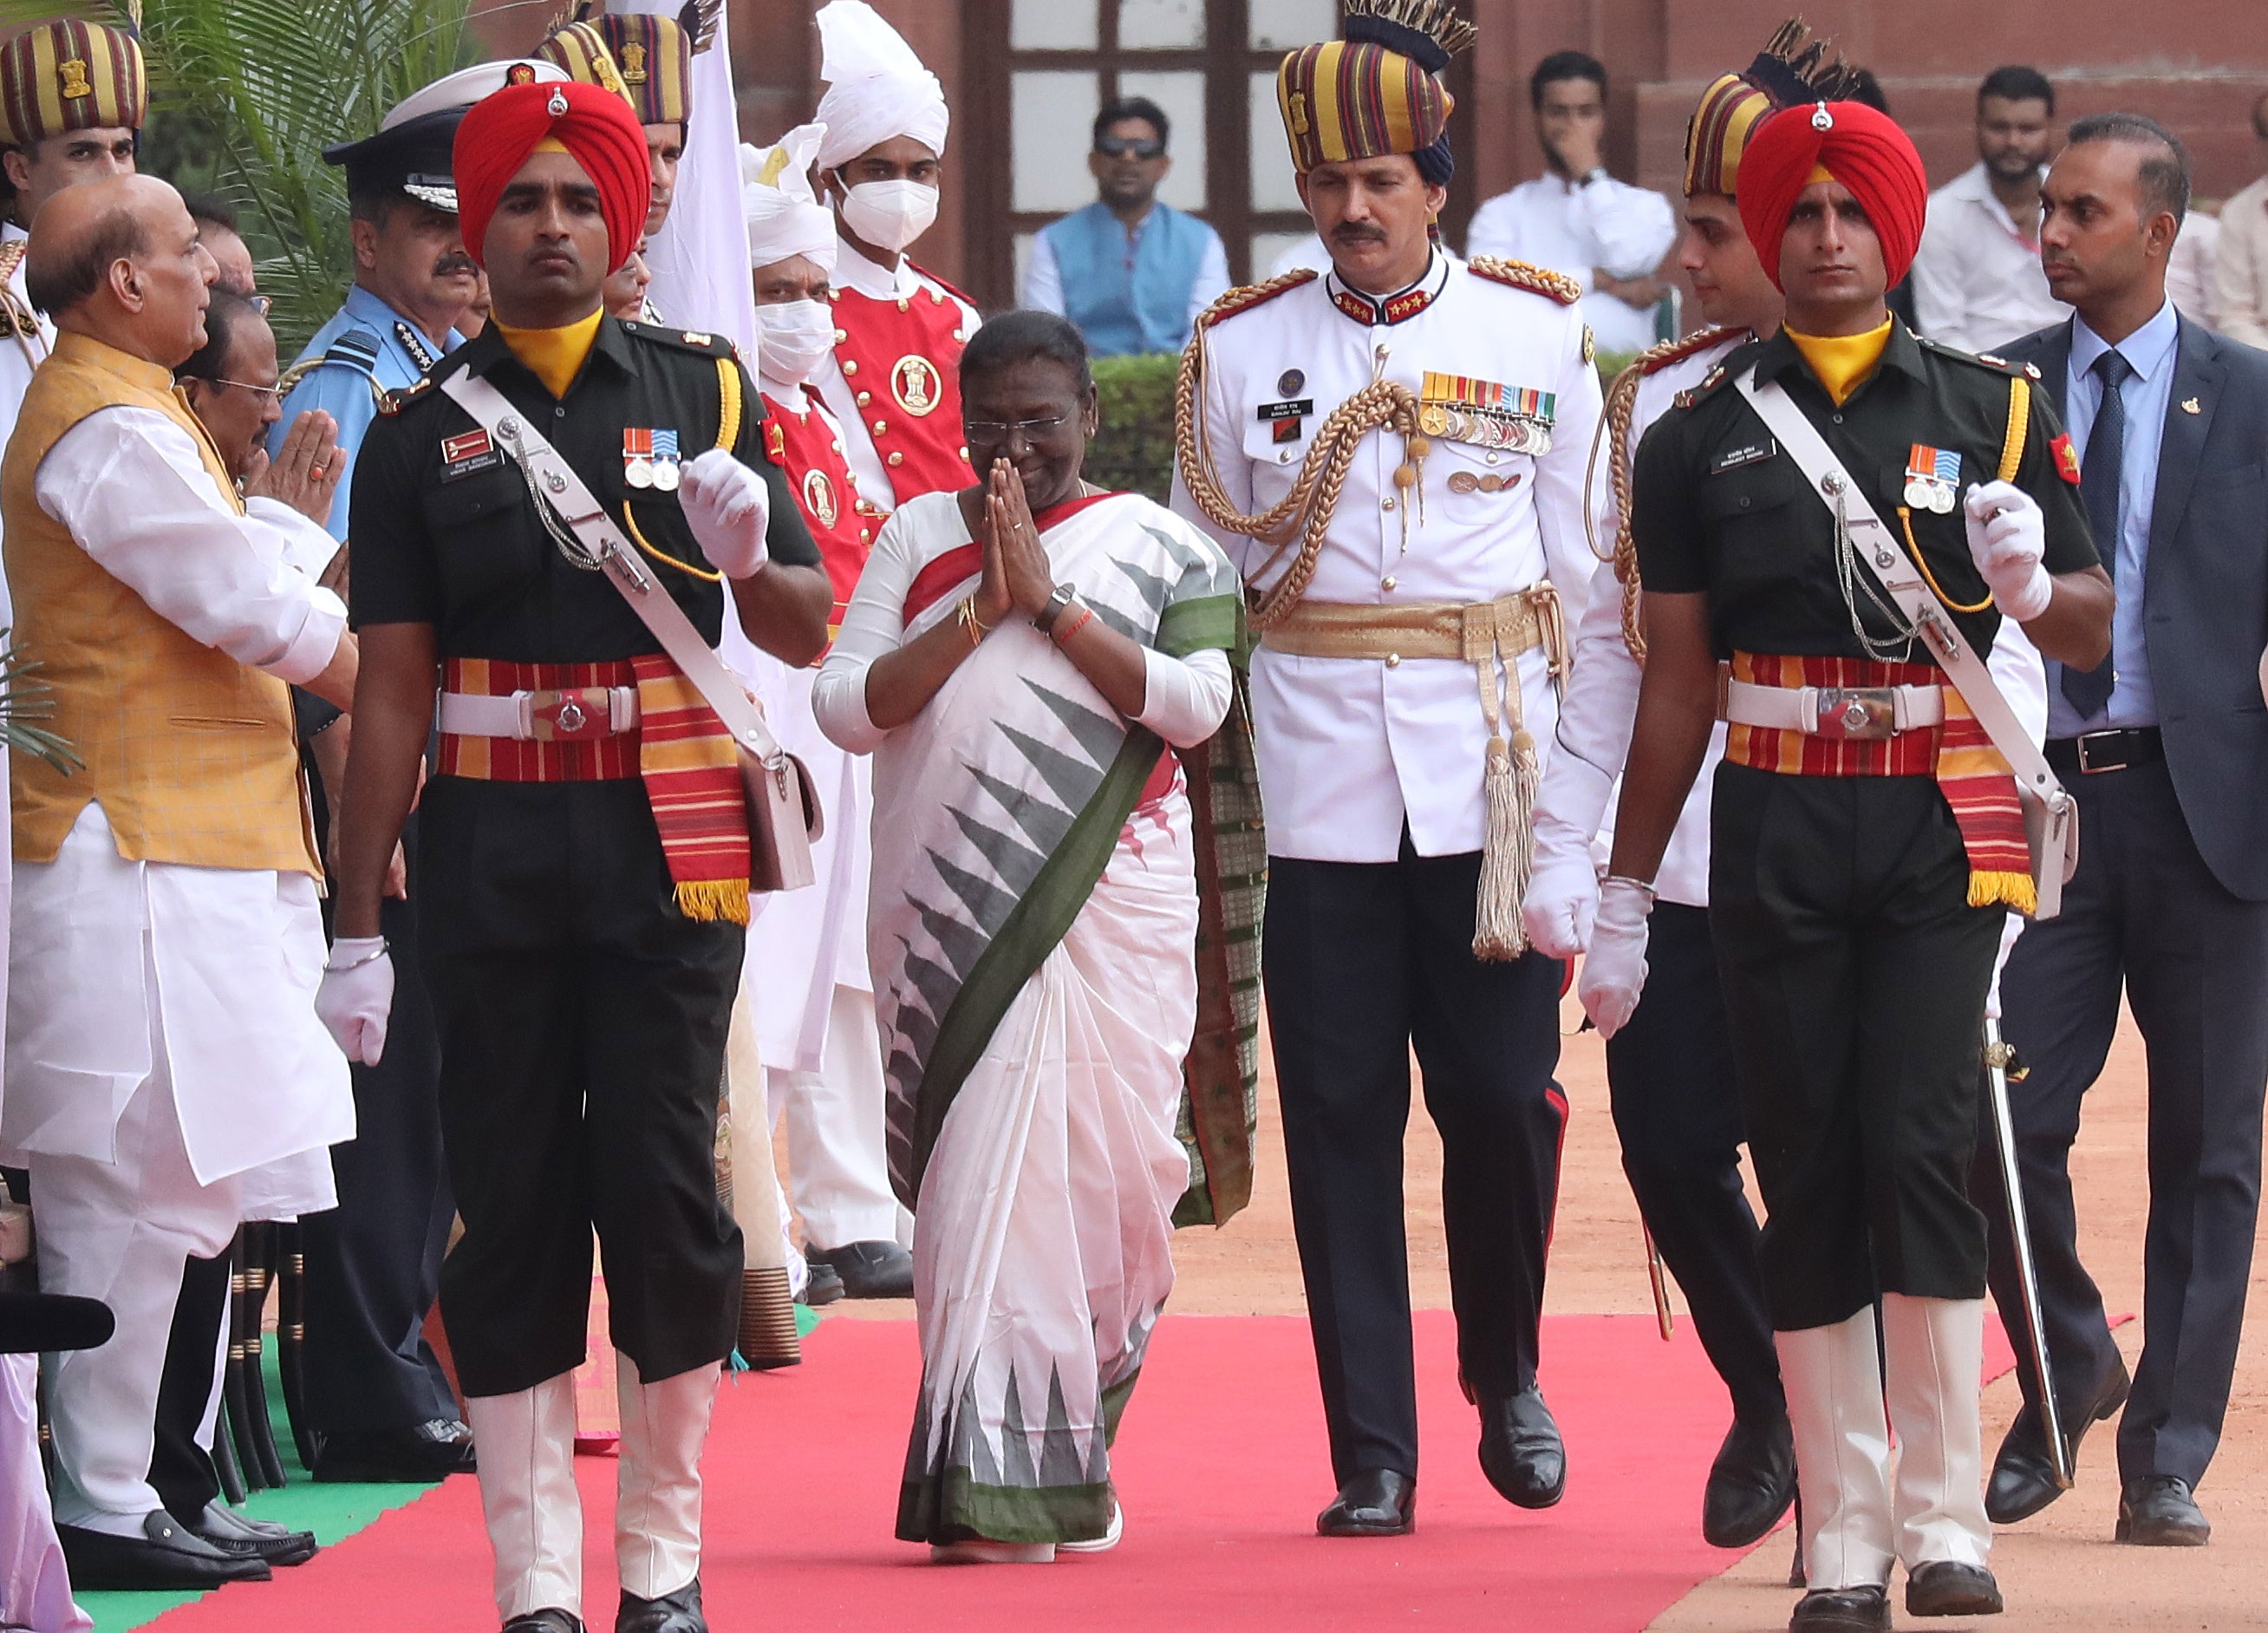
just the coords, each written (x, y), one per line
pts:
(553, 355)
(1841, 361)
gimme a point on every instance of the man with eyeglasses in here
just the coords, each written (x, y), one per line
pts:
(1132, 273)
(376, 1396)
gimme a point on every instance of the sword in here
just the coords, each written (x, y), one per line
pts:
(1664, 1317)
(1997, 1056)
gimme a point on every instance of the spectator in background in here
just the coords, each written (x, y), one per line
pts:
(2189, 269)
(218, 232)
(2240, 281)
(1607, 235)
(1976, 281)
(1131, 273)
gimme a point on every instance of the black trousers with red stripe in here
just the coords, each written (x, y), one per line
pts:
(1363, 963)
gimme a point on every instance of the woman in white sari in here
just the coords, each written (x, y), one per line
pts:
(1042, 865)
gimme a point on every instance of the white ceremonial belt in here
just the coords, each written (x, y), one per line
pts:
(1861, 711)
(568, 716)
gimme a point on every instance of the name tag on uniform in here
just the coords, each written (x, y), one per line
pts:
(1747, 453)
(1485, 414)
(1287, 418)
(467, 452)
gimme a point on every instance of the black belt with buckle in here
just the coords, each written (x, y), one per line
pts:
(2097, 751)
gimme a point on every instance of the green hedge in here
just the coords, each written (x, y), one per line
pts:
(1133, 452)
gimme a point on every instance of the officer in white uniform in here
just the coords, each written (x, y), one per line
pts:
(1397, 788)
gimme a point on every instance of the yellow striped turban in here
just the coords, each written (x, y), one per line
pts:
(69, 75)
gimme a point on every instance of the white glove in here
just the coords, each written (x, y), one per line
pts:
(2007, 537)
(728, 507)
(1614, 971)
(357, 996)
(1563, 891)
(2008, 935)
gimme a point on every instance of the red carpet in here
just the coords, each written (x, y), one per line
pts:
(1221, 1466)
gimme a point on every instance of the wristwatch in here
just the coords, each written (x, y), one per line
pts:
(1058, 605)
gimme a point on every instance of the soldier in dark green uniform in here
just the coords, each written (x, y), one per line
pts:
(586, 845)
(1866, 842)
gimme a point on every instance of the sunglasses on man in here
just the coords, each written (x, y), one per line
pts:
(1131, 147)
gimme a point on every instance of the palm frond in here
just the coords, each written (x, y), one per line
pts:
(24, 700)
(273, 83)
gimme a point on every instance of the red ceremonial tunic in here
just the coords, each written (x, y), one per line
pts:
(901, 360)
(803, 439)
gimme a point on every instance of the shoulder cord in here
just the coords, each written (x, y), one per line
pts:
(728, 431)
(1307, 510)
(1614, 432)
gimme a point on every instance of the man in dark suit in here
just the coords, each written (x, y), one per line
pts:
(2166, 747)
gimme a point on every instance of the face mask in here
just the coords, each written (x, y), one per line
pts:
(795, 338)
(889, 215)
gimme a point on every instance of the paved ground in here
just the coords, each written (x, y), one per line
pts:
(2059, 1571)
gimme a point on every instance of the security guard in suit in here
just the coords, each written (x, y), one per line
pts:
(377, 1399)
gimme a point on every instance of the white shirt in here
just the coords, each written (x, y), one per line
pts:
(2239, 271)
(2188, 268)
(1349, 749)
(231, 957)
(853, 271)
(1043, 276)
(1977, 280)
(1583, 229)
(20, 353)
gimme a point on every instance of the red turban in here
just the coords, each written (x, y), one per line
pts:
(1862, 149)
(597, 128)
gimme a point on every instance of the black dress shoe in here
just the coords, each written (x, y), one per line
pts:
(167, 1554)
(2158, 1512)
(1842, 1610)
(1947, 1587)
(822, 1284)
(428, 1450)
(869, 1269)
(1521, 1452)
(1376, 1503)
(2023, 1474)
(672, 1613)
(1750, 1486)
(547, 1620)
(233, 1533)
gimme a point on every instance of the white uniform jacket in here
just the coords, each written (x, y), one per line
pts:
(1352, 749)
(1600, 707)
(853, 271)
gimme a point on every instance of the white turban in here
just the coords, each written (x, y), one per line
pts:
(784, 217)
(876, 88)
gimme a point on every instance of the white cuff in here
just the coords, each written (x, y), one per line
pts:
(316, 644)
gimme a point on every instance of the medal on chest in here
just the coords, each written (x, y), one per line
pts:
(1933, 478)
(650, 458)
(1484, 414)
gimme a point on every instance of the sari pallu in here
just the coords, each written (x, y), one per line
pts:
(1045, 896)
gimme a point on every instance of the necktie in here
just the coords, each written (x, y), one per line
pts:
(2089, 689)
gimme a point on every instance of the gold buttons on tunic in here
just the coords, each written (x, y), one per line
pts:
(864, 397)
(964, 450)
(841, 335)
(1386, 503)
(904, 305)
(1393, 660)
(882, 427)
(1388, 582)
(897, 459)
(850, 366)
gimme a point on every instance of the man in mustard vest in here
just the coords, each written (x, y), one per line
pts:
(166, 946)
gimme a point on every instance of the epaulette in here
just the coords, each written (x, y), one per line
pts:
(1985, 359)
(1522, 275)
(962, 296)
(1710, 382)
(1251, 295)
(390, 402)
(685, 339)
(356, 348)
(11, 254)
(1661, 354)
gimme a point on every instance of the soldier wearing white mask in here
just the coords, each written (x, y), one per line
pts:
(898, 330)
(823, 1061)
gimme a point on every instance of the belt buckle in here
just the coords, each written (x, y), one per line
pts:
(566, 717)
(1857, 714)
(2086, 766)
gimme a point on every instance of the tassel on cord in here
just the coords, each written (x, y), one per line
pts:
(1507, 854)
(711, 899)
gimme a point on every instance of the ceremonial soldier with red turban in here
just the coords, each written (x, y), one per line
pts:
(588, 846)
(1866, 840)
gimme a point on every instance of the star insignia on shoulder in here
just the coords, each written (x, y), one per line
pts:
(694, 337)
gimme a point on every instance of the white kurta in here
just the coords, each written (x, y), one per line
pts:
(853, 271)
(238, 952)
(1583, 229)
(1352, 749)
